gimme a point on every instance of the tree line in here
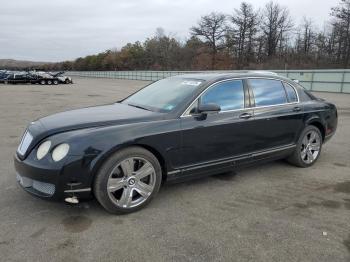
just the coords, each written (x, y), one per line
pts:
(247, 38)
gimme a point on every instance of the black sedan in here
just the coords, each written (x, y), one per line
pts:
(173, 129)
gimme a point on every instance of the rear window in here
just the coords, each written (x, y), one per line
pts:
(268, 92)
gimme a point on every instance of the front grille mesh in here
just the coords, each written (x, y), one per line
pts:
(34, 185)
(44, 187)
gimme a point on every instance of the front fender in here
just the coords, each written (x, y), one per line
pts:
(97, 144)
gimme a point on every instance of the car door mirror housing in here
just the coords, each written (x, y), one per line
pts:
(208, 108)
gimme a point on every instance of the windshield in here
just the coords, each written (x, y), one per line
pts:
(163, 95)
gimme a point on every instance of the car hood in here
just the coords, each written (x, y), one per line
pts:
(97, 116)
(106, 115)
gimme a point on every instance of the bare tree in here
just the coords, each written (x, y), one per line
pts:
(307, 35)
(243, 32)
(276, 24)
(213, 29)
(341, 25)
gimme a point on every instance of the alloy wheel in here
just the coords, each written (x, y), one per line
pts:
(131, 182)
(310, 147)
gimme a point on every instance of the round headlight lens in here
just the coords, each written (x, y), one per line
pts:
(43, 149)
(60, 152)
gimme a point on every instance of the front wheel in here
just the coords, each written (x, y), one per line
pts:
(128, 180)
(308, 148)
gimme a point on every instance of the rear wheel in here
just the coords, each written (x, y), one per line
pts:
(42, 82)
(308, 148)
(128, 180)
(49, 82)
(55, 82)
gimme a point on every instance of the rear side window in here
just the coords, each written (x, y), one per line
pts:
(228, 95)
(267, 92)
(291, 94)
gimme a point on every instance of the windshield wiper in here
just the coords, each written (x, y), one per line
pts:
(141, 107)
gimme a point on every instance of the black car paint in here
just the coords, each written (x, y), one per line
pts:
(186, 146)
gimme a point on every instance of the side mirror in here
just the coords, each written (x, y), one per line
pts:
(203, 110)
(208, 108)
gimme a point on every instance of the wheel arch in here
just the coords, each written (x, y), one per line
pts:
(162, 161)
(317, 123)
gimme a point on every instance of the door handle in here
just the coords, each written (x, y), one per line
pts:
(297, 109)
(245, 116)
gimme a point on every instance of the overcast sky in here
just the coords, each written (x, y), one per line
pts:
(57, 30)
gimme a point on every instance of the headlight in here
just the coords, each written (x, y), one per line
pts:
(60, 152)
(43, 149)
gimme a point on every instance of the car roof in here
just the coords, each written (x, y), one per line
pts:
(212, 77)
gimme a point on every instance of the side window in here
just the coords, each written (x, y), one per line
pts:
(291, 94)
(228, 95)
(268, 92)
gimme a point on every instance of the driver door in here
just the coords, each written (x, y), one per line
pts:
(212, 141)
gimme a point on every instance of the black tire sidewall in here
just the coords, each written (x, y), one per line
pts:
(101, 178)
(299, 145)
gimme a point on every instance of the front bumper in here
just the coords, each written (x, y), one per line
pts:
(54, 181)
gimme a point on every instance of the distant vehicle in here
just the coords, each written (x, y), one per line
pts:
(18, 78)
(4, 74)
(62, 78)
(34, 77)
(44, 78)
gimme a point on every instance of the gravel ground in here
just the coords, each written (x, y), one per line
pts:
(272, 212)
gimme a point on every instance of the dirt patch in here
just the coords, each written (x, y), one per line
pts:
(38, 233)
(76, 224)
(340, 164)
(117, 221)
(325, 203)
(65, 244)
(343, 187)
(347, 203)
(308, 204)
(346, 243)
(331, 204)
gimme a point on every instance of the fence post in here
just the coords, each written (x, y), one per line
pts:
(342, 83)
(312, 80)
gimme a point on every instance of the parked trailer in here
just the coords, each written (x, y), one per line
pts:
(28, 78)
(34, 77)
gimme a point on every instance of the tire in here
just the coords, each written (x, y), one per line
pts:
(42, 82)
(55, 82)
(67, 81)
(49, 82)
(114, 183)
(308, 149)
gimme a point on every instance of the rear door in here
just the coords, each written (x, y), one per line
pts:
(277, 113)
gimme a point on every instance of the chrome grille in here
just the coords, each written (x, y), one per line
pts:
(27, 138)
